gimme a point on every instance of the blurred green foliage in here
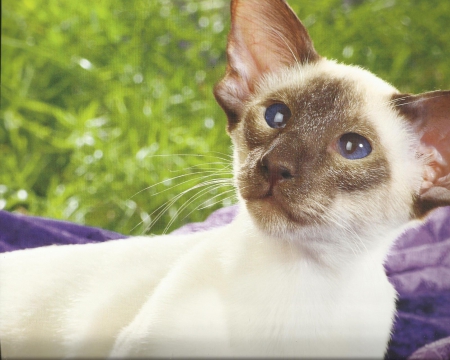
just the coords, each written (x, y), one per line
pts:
(103, 102)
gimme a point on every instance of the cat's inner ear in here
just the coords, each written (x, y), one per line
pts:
(429, 115)
(265, 36)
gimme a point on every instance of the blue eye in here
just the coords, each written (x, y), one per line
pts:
(277, 115)
(353, 146)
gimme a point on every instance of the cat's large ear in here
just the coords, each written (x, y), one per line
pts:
(265, 36)
(429, 114)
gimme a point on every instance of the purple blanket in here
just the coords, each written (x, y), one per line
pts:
(418, 267)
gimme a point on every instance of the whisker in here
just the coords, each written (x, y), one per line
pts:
(213, 184)
(212, 172)
(158, 183)
(225, 166)
(164, 207)
(209, 205)
(190, 155)
(218, 201)
(229, 156)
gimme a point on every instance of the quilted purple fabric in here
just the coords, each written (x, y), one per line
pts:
(418, 267)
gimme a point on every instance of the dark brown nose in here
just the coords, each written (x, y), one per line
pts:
(276, 167)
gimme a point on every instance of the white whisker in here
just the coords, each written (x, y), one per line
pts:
(209, 186)
(200, 207)
(227, 159)
(164, 207)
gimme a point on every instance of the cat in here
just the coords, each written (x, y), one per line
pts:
(331, 164)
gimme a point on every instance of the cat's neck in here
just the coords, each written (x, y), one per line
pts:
(325, 248)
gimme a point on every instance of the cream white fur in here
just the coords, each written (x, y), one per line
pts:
(231, 291)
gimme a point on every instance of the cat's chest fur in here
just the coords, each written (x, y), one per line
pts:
(250, 295)
(231, 291)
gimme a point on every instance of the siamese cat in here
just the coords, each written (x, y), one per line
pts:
(330, 165)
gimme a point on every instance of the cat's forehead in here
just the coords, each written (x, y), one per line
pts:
(322, 102)
(351, 78)
(325, 90)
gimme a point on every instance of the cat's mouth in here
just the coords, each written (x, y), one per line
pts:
(272, 213)
(281, 207)
(268, 206)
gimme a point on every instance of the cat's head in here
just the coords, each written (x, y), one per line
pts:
(324, 145)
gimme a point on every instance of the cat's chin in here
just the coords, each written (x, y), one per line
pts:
(273, 217)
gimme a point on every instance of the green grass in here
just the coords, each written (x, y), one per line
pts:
(101, 100)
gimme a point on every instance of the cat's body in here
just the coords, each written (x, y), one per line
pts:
(331, 163)
(230, 291)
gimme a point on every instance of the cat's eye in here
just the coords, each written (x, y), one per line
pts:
(354, 146)
(277, 115)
